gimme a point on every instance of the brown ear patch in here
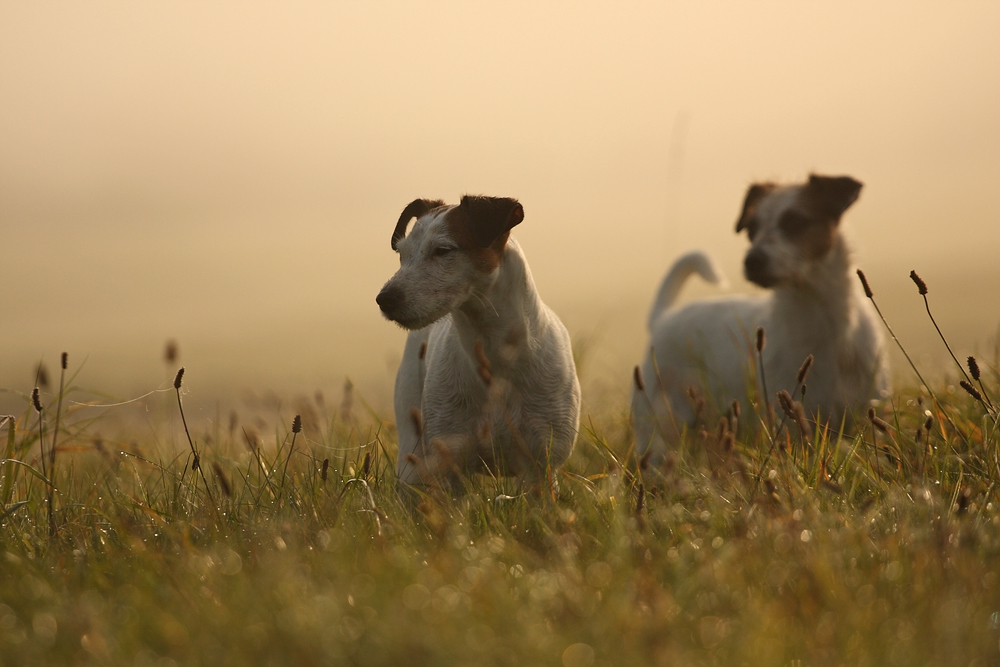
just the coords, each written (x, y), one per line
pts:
(811, 223)
(755, 193)
(415, 209)
(481, 226)
(830, 196)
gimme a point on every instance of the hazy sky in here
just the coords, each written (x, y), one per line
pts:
(230, 174)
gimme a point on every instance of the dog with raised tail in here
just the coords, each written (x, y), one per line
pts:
(703, 355)
(487, 382)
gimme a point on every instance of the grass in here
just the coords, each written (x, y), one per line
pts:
(759, 544)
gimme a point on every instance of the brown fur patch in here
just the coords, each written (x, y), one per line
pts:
(461, 227)
(415, 209)
(755, 193)
(812, 221)
(830, 196)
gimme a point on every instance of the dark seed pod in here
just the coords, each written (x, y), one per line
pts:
(639, 383)
(760, 339)
(324, 469)
(921, 285)
(804, 369)
(864, 283)
(35, 399)
(65, 360)
(179, 378)
(297, 424)
(974, 368)
(876, 422)
(223, 480)
(971, 390)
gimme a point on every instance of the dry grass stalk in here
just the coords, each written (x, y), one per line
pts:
(196, 460)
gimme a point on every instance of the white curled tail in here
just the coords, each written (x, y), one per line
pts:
(693, 262)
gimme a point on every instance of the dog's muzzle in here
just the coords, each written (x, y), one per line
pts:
(756, 268)
(390, 300)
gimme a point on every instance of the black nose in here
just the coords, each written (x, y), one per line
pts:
(755, 264)
(389, 299)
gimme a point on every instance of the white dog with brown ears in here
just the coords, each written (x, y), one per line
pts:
(814, 308)
(487, 381)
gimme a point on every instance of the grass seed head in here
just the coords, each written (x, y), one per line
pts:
(418, 422)
(42, 375)
(324, 469)
(297, 424)
(786, 403)
(921, 285)
(928, 424)
(734, 409)
(35, 399)
(723, 429)
(876, 422)
(804, 369)
(639, 382)
(179, 378)
(760, 339)
(697, 401)
(223, 481)
(366, 464)
(972, 391)
(864, 283)
(973, 368)
(65, 360)
(170, 352)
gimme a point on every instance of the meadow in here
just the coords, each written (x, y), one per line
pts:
(131, 535)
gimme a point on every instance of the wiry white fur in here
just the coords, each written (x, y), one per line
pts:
(815, 308)
(521, 422)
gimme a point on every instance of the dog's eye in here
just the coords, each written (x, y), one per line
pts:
(443, 250)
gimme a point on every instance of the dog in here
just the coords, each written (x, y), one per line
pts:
(814, 308)
(487, 382)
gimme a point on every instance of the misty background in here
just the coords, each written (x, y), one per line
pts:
(228, 175)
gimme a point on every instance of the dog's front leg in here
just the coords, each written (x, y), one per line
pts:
(407, 401)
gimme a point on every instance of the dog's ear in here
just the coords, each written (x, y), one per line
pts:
(833, 194)
(491, 217)
(754, 194)
(415, 209)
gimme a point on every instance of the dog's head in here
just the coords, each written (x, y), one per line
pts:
(792, 227)
(452, 253)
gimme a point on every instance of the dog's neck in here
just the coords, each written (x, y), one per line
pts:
(503, 315)
(826, 300)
